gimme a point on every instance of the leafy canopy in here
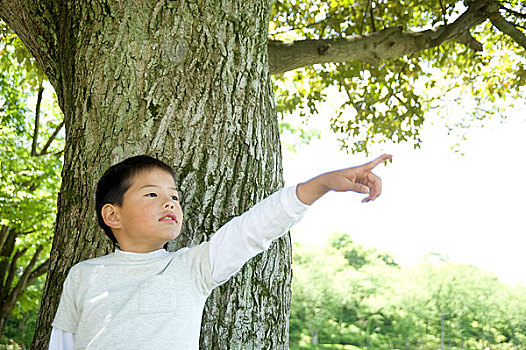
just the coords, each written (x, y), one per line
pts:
(390, 100)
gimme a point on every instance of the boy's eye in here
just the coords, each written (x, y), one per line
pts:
(175, 198)
(151, 195)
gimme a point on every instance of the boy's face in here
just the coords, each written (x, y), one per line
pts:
(150, 214)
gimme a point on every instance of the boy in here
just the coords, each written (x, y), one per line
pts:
(144, 297)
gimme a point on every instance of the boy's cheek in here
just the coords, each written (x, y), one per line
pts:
(179, 214)
(142, 217)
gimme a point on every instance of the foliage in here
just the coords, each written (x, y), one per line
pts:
(22, 323)
(356, 255)
(293, 136)
(30, 166)
(327, 347)
(329, 294)
(380, 305)
(389, 100)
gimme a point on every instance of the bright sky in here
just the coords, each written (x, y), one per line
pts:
(434, 200)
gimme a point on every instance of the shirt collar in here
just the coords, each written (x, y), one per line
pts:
(132, 256)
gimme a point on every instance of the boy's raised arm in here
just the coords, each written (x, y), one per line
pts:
(357, 179)
(247, 235)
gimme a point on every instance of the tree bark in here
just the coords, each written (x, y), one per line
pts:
(314, 337)
(34, 144)
(187, 82)
(508, 28)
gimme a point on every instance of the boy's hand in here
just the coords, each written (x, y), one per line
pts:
(357, 179)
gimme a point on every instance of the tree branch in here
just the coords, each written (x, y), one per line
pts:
(477, 12)
(8, 245)
(34, 21)
(3, 236)
(305, 26)
(11, 274)
(23, 282)
(375, 47)
(444, 13)
(512, 12)
(39, 271)
(340, 16)
(37, 121)
(508, 28)
(468, 40)
(48, 143)
(363, 17)
(27, 232)
(371, 17)
(48, 29)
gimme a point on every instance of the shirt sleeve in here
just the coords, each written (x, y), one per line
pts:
(66, 317)
(198, 260)
(247, 235)
(61, 340)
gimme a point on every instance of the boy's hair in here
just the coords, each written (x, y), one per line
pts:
(117, 180)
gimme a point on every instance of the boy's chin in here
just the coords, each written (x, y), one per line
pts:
(172, 237)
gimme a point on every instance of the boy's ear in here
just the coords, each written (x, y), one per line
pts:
(110, 215)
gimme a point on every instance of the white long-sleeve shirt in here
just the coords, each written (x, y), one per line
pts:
(155, 300)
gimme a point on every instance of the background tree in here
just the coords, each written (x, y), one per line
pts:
(513, 315)
(333, 302)
(437, 304)
(189, 82)
(455, 304)
(30, 177)
(317, 294)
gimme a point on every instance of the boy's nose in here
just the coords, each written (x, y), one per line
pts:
(169, 205)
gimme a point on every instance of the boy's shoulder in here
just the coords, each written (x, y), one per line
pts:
(90, 263)
(95, 261)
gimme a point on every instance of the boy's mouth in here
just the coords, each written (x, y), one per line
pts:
(169, 218)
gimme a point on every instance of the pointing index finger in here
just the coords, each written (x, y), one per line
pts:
(372, 164)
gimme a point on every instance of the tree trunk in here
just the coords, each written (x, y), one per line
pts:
(3, 321)
(314, 337)
(187, 82)
(442, 321)
(7, 271)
